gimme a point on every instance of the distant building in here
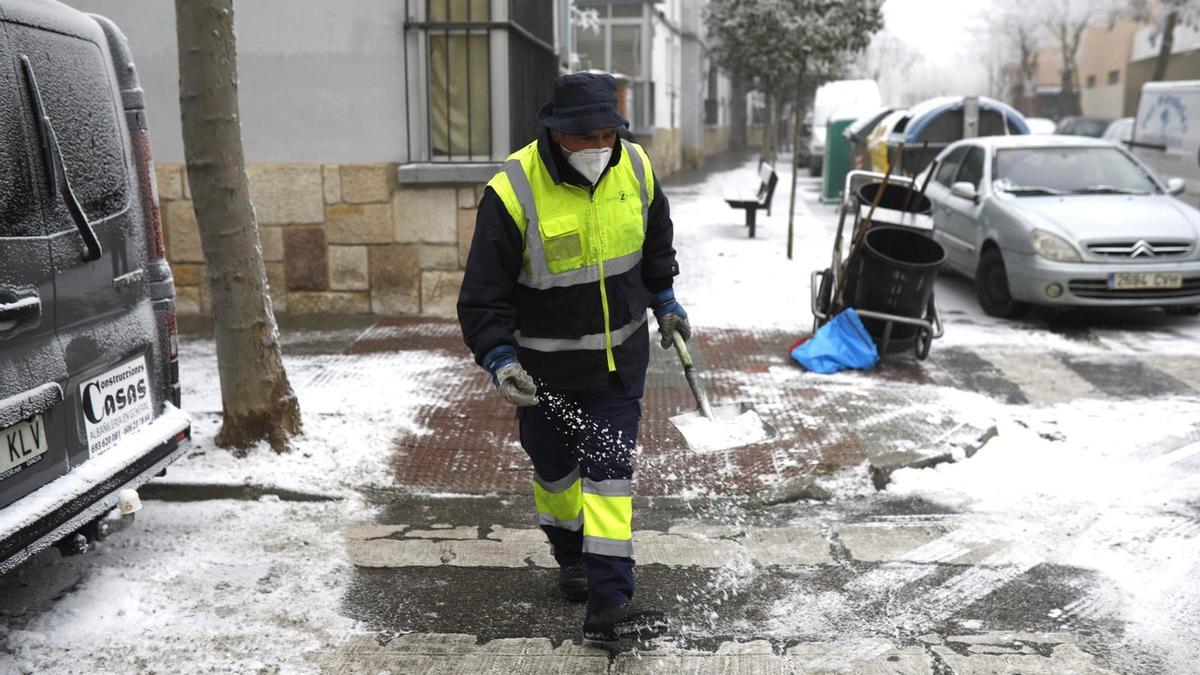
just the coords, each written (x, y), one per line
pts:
(677, 101)
(371, 126)
(1104, 54)
(1184, 62)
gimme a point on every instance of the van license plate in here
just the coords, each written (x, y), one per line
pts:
(22, 445)
(1121, 280)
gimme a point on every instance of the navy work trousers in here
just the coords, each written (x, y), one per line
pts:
(589, 434)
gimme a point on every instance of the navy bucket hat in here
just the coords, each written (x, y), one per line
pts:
(582, 102)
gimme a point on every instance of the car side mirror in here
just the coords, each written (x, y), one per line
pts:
(1175, 186)
(965, 190)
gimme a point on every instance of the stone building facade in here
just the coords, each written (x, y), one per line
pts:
(369, 129)
(336, 239)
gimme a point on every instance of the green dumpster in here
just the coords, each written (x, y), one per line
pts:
(837, 157)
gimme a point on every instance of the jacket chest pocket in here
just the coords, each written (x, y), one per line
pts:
(624, 231)
(562, 243)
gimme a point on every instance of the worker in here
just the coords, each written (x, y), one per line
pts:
(572, 245)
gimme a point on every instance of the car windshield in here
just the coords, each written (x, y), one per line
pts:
(1094, 170)
(1089, 127)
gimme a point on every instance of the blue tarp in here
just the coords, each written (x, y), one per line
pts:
(841, 343)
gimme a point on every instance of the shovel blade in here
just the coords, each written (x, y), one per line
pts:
(731, 426)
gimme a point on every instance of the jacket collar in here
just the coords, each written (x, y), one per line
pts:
(561, 170)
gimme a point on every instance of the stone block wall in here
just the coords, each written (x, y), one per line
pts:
(665, 148)
(336, 238)
(716, 140)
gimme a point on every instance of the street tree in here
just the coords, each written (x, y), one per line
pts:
(775, 44)
(1166, 16)
(257, 399)
(890, 61)
(1067, 21)
(785, 48)
(1021, 37)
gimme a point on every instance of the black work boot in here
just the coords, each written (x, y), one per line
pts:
(630, 621)
(572, 583)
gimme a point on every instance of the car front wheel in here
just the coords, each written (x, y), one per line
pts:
(991, 287)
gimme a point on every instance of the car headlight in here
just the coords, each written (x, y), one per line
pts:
(1053, 247)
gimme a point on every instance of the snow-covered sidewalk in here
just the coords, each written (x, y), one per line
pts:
(1090, 484)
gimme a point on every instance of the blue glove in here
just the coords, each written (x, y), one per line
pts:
(671, 317)
(514, 384)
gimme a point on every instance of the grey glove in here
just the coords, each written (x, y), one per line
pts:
(516, 386)
(669, 324)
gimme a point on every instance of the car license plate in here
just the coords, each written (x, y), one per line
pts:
(22, 445)
(1120, 280)
(115, 404)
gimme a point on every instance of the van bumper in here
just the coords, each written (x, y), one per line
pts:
(88, 491)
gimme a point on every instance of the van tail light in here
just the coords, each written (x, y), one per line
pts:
(148, 187)
(173, 358)
(172, 337)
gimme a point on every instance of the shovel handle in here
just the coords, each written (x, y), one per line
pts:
(689, 372)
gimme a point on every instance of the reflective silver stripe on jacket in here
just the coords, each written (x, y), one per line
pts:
(639, 170)
(617, 548)
(533, 237)
(595, 341)
(539, 275)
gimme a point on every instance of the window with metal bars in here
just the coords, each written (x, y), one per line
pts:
(460, 120)
(460, 58)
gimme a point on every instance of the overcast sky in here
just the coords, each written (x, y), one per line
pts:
(938, 28)
(949, 36)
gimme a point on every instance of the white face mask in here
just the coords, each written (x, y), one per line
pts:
(590, 162)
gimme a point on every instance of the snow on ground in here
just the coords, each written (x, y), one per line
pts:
(1102, 485)
(353, 406)
(231, 585)
(729, 280)
(195, 587)
(217, 585)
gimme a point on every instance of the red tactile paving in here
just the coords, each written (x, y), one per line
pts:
(471, 444)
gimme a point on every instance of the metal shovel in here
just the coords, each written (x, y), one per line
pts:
(721, 427)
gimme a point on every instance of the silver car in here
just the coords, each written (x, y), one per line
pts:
(1064, 220)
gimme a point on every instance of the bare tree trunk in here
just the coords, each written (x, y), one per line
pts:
(797, 117)
(257, 399)
(1069, 37)
(769, 129)
(1164, 49)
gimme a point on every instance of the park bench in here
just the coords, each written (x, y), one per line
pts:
(758, 200)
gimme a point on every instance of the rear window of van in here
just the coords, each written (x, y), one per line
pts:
(78, 95)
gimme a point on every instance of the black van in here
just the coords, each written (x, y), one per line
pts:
(89, 378)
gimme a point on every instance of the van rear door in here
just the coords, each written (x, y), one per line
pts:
(104, 316)
(33, 447)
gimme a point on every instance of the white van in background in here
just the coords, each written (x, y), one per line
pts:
(1166, 133)
(830, 98)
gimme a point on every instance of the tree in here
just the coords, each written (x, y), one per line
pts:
(257, 399)
(1021, 33)
(1068, 20)
(786, 47)
(890, 61)
(1166, 15)
(776, 44)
